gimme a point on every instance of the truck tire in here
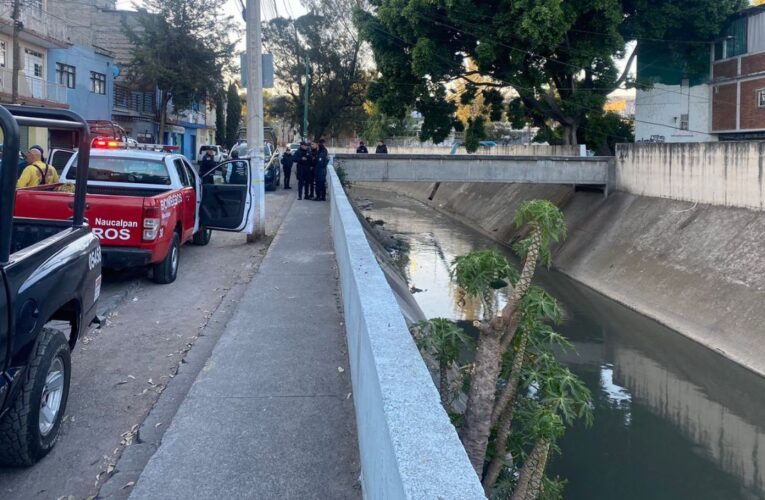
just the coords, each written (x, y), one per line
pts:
(166, 271)
(202, 237)
(31, 427)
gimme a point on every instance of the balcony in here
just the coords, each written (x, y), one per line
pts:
(39, 27)
(133, 101)
(33, 90)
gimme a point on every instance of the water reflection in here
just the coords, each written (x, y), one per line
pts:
(673, 420)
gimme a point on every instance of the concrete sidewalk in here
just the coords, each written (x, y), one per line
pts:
(271, 414)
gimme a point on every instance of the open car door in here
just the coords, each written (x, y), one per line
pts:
(226, 200)
(59, 158)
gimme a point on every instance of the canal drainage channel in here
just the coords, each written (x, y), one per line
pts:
(673, 419)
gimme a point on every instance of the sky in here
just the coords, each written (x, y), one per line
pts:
(269, 8)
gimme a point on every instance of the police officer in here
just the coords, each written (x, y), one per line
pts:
(303, 159)
(287, 161)
(381, 148)
(320, 174)
(362, 149)
(206, 166)
(36, 172)
(312, 172)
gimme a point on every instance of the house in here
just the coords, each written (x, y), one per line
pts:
(738, 78)
(39, 33)
(672, 101)
(87, 75)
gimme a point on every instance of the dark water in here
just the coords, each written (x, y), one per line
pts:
(673, 420)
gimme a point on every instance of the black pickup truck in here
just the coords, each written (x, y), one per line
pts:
(51, 272)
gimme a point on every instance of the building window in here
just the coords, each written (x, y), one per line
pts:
(761, 98)
(65, 74)
(3, 54)
(684, 121)
(735, 41)
(97, 83)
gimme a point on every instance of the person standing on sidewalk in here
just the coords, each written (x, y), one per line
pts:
(362, 149)
(322, 160)
(303, 160)
(287, 161)
(381, 149)
(206, 166)
(312, 175)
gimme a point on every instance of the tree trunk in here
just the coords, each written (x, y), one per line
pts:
(162, 117)
(530, 478)
(443, 384)
(492, 343)
(569, 134)
(503, 418)
(475, 432)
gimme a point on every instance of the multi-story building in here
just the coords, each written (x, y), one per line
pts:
(39, 32)
(738, 78)
(672, 101)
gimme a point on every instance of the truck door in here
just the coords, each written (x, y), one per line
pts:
(226, 198)
(59, 158)
(188, 208)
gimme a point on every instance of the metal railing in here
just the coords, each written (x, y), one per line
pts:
(33, 86)
(133, 100)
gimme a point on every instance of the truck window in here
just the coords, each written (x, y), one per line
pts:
(182, 172)
(190, 173)
(127, 170)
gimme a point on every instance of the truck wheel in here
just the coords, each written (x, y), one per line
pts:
(202, 237)
(31, 427)
(167, 270)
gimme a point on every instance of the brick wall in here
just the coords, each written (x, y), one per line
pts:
(724, 100)
(753, 64)
(752, 117)
(725, 69)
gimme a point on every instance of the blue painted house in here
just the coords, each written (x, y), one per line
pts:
(88, 75)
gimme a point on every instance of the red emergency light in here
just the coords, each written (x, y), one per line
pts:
(106, 143)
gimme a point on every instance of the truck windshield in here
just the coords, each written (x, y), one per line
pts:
(128, 170)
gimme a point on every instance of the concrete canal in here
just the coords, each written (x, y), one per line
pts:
(673, 419)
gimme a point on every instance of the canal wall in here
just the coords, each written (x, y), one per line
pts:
(408, 447)
(697, 268)
(717, 173)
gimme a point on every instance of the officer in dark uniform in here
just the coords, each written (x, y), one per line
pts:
(303, 160)
(287, 161)
(320, 174)
(312, 175)
(206, 166)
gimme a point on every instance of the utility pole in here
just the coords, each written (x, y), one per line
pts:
(306, 95)
(16, 51)
(256, 227)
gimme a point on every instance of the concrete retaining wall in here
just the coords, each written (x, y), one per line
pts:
(698, 269)
(509, 150)
(408, 447)
(719, 173)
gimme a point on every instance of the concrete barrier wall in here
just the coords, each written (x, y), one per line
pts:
(718, 173)
(509, 150)
(408, 447)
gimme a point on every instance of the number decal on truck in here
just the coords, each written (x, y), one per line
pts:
(94, 258)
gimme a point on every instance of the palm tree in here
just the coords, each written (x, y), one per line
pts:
(442, 339)
(479, 276)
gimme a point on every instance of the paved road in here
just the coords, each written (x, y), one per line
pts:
(120, 370)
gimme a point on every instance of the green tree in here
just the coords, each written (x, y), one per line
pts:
(220, 119)
(233, 115)
(557, 56)
(479, 276)
(442, 339)
(326, 40)
(177, 50)
(605, 130)
(380, 126)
